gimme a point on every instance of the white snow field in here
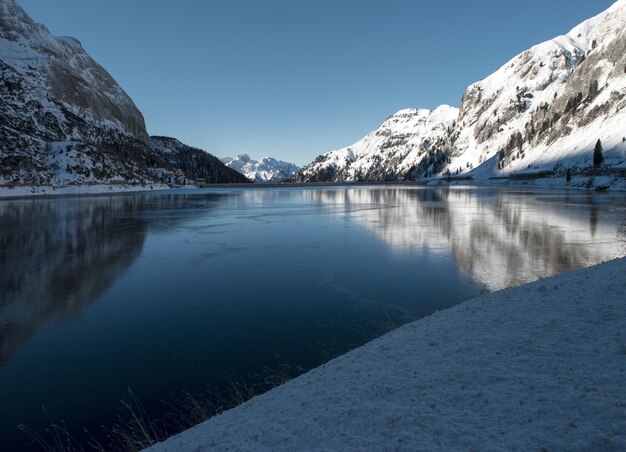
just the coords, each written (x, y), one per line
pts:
(536, 367)
(28, 191)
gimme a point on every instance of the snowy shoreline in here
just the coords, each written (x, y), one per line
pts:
(539, 366)
(70, 190)
(577, 183)
(28, 191)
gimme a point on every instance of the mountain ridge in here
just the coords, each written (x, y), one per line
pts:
(390, 152)
(266, 170)
(542, 111)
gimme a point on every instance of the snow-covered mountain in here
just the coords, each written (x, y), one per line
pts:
(548, 106)
(266, 170)
(544, 110)
(391, 152)
(60, 71)
(63, 119)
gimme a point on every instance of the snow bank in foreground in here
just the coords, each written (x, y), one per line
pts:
(21, 191)
(538, 366)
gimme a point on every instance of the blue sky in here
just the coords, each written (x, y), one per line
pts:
(293, 79)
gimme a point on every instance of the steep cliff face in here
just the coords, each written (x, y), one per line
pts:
(391, 152)
(63, 72)
(544, 110)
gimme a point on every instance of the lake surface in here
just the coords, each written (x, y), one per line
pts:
(176, 292)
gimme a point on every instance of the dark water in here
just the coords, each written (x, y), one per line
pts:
(166, 293)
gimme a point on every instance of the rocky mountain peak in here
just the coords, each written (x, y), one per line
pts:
(14, 22)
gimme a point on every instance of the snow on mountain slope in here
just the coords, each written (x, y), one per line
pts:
(266, 170)
(542, 111)
(548, 106)
(388, 153)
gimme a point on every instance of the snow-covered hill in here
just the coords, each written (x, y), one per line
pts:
(544, 110)
(63, 119)
(266, 170)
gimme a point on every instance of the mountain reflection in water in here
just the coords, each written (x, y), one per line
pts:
(500, 238)
(58, 255)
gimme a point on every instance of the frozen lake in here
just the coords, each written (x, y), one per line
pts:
(186, 291)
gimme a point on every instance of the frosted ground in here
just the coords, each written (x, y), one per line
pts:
(540, 366)
(17, 192)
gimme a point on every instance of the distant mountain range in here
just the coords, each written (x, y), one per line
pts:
(65, 121)
(194, 162)
(543, 112)
(266, 170)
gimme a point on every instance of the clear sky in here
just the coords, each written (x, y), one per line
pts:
(295, 78)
